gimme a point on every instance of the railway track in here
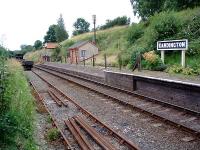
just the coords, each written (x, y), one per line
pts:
(180, 117)
(76, 124)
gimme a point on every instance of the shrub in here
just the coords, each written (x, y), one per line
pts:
(153, 62)
(53, 134)
(194, 47)
(166, 25)
(174, 69)
(185, 71)
(135, 53)
(135, 32)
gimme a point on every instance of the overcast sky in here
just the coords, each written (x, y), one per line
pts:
(25, 21)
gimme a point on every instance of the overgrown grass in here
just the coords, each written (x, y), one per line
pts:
(17, 115)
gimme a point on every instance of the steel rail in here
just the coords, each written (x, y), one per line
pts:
(76, 127)
(183, 127)
(59, 99)
(93, 133)
(121, 139)
(78, 138)
(58, 102)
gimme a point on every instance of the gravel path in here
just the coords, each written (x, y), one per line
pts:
(147, 132)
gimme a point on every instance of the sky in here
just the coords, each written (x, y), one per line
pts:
(25, 21)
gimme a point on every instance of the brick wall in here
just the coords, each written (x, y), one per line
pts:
(182, 94)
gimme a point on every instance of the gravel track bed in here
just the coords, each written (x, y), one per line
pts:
(59, 113)
(146, 131)
(188, 120)
(41, 122)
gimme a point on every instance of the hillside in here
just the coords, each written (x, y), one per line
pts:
(125, 42)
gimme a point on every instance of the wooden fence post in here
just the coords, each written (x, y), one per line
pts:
(105, 60)
(84, 61)
(93, 63)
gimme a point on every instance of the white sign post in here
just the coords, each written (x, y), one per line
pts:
(173, 45)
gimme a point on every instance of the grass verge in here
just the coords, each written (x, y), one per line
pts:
(17, 109)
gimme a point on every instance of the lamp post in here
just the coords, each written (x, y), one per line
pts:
(94, 22)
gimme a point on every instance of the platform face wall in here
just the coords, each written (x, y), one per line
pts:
(119, 80)
(178, 94)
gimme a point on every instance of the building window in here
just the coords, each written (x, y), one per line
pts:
(83, 53)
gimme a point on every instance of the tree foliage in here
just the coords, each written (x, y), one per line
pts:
(61, 33)
(37, 44)
(26, 48)
(3, 51)
(51, 34)
(116, 22)
(81, 26)
(147, 8)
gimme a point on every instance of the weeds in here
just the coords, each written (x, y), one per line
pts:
(53, 134)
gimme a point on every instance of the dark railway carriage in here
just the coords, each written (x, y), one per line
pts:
(27, 64)
(19, 57)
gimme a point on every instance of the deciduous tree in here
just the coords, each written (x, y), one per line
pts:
(81, 26)
(38, 44)
(51, 34)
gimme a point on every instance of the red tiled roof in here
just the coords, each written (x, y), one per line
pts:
(51, 45)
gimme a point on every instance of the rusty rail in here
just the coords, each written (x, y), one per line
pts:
(82, 143)
(58, 102)
(121, 139)
(93, 133)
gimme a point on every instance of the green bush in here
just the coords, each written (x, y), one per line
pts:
(174, 69)
(137, 51)
(152, 61)
(166, 25)
(135, 32)
(185, 71)
(53, 134)
(194, 47)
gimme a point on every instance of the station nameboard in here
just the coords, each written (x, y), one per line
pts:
(172, 45)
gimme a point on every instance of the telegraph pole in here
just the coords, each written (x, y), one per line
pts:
(94, 22)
